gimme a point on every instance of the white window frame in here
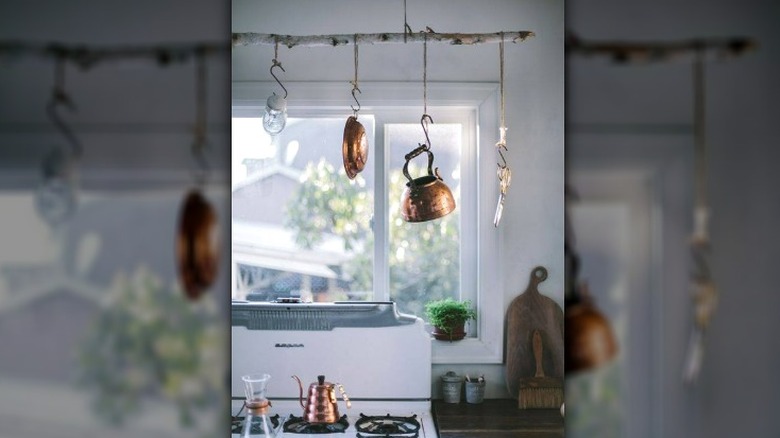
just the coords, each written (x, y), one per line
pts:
(480, 267)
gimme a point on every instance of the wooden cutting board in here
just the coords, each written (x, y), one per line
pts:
(531, 311)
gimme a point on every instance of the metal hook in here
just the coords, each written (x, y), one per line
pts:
(503, 164)
(355, 111)
(355, 82)
(426, 117)
(278, 64)
(60, 98)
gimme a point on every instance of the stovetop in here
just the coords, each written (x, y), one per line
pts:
(399, 419)
(380, 357)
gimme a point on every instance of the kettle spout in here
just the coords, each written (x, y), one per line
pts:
(300, 387)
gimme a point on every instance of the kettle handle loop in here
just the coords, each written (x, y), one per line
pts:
(416, 152)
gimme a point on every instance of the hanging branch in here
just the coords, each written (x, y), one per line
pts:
(455, 39)
(200, 143)
(87, 57)
(704, 292)
(650, 51)
(503, 171)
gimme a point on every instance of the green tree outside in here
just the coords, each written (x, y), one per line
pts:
(424, 258)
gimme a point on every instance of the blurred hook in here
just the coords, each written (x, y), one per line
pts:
(278, 64)
(60, 98)
(423, 121)
(354, 110)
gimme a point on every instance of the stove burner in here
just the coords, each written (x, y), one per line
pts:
(237, 425)
(377, 426)
(299, 425)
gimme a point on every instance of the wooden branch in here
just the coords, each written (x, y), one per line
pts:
(650, 51)
(455, 39)
(88, 56)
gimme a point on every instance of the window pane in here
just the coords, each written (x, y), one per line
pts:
(424, 258)
(300, 226)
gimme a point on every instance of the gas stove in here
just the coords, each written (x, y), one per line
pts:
(380, 357)
(363, 420)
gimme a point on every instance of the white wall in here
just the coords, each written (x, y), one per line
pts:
(741, 94)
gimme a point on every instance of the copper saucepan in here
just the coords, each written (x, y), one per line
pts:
(354, 148)
(197, 244)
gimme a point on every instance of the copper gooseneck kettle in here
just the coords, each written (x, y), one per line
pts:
(427, 197)
(320, 405)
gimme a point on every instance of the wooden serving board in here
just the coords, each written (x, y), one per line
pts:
(528, 312)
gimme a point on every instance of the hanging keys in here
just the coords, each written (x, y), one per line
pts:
(504, 179)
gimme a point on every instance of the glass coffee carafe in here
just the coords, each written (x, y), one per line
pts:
(257, 422)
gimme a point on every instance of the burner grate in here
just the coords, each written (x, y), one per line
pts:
(299, 425)
(377, 426)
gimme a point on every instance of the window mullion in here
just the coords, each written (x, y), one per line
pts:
(381, 238)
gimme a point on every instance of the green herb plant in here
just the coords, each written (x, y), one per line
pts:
(446, 313)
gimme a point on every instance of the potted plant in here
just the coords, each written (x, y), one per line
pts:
(448, 318)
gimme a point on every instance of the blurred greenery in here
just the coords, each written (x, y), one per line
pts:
(151, 342)
(594, 403)
(423, 258)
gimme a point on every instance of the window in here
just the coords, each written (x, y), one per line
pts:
(302, 228)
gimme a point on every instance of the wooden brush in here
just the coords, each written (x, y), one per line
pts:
(540, 391)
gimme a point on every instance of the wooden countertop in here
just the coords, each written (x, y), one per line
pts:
(495, 418)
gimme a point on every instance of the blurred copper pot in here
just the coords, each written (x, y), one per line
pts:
(197, 245)
(354, 148)
(589, 341)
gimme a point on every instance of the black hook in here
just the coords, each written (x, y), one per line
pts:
(500, 146)
(278, 64)
(355, 111)
(51, 109)
(59, 97)
(425, 128)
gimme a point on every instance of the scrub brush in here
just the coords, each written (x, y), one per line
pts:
(540, 391)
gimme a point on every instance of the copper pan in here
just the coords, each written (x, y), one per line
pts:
(197, 245)
(354, 148)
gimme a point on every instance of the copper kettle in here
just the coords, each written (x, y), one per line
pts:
(321, 405)
(427, 197)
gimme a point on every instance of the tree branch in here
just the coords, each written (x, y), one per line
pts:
(455, 39)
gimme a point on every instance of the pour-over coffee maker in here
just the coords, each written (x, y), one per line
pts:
(257, 423)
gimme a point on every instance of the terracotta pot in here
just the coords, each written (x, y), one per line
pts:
(455, 332)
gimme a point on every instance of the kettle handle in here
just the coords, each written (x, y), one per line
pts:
(300, 387)
(344, 395)
(417, 151)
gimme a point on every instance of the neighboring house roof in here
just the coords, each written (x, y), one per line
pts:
(48, 280)
(273, 247)
(266, 171)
